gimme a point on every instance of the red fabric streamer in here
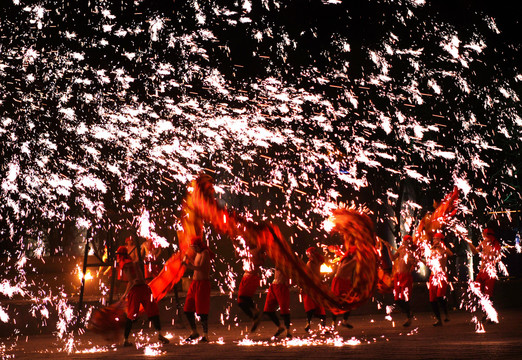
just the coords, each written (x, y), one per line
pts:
(200, 206)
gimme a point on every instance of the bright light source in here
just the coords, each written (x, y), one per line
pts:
(325, 269)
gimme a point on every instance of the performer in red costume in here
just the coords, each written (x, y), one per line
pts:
(198, 295)
(438, 282)
(150, 254)
(279, 296)
(343, 281)
(249, 284)
(132, 248)
(137, 293)
(490, 254)
(315, 260)
(403, 265)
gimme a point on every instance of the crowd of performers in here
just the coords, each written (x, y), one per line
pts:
(405, 260)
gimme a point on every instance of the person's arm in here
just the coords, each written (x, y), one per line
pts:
(186, 262)
(200, 265)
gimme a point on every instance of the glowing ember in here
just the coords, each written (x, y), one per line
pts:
(335, 340)
(479, 326)
(94, 349)
(152, 350)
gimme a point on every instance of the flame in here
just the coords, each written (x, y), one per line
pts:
(325, 269)
(88, 275)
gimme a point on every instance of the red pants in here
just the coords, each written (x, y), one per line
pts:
(141, 294)
(437, 288)
(486, 282)
(278, 294)
(198, 297)
(402, 286)
(248, 285)
(310, 304)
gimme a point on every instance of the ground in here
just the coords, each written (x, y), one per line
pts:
(372, 337)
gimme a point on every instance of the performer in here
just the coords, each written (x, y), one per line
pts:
(121, 278)
(137, 293)
(438, 281)
(490, 254)
(343, 281)
(132, 249)
(198, 295)
(279, 295)
(249, 284)
(315, 260)
(403, 265)
(151, 256)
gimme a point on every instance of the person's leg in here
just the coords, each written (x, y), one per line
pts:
(192, 322)
(257, 320)
(128, 328)
(247, 305)
(155, 320)
(282, 293)
(190, 310)
(441, 298)
(334, 321)
(444, 305)
(436, 312)
(433, 289)
(203, 306)
(204, 323)
(309, 315)
(345, 320)
(152, 310)
(400, 304)
(273, 316)
(133, 306)
(157, 325)
(286, 320)
(405, 308)
(323, 320)
(270, 308)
